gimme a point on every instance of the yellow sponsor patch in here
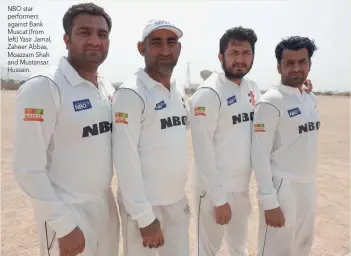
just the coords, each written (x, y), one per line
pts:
(259, 128)
(33, 114)
(121, 118)
(200, 111)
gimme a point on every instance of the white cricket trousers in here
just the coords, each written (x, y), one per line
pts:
(99, 221)
(174, 221)
(298, 204)
(210, 235)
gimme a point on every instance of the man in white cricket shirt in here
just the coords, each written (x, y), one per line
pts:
(62, 143)
(284, 149)
(221, 113)
(150, 150)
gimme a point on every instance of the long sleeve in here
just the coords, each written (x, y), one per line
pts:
(34, 124)
(127, 110)
(204, 107)
(265, 124)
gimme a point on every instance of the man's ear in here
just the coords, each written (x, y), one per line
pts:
(279, 68)
(141, 48)
(67, 40)
(180, 46)
(220, 57)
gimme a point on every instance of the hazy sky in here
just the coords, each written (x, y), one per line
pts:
(203, 23)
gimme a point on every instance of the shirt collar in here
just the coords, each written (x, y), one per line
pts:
(71, 74)
(148, 81)
(289, 89)
(227, 81)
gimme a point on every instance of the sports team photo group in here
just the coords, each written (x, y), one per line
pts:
(150, 167)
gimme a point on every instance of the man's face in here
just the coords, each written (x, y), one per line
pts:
(161, 51)
(89, 40)
(237, 59)
(294, 67)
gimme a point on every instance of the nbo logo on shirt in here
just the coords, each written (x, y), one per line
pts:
(244, 117)
(172, 121)
(81, 105)
(310, 126)
(97, 129)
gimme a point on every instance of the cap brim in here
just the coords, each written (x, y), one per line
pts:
(175, 30)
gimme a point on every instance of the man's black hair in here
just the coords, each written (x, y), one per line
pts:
(295, 43)
(84, 8)
(239, 34)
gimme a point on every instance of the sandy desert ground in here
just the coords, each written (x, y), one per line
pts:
(333, 216)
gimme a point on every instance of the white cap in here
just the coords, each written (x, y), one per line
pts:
(153, 25)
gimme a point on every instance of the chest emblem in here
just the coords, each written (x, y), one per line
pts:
(252, 98)
(231, 100)
(294, 112)
(161, 105)
(80, 105)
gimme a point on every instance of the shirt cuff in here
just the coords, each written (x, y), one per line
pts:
(269, 202)
(146, 219)
(63, 226)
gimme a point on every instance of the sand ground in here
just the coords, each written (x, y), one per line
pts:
(18, 235)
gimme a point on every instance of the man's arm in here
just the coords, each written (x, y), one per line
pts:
(35, 118)
(264, 126)
(127, 109)
(204, 106)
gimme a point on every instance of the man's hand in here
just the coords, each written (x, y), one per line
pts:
(152, 235)
(223, 214)
(308, 86)
(275, 218)
(72, 244)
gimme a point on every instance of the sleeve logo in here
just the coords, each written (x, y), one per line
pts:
(259, 128)
(33, 114)
(80, 105)
(121, 118)
(294, 112)
(200, 111)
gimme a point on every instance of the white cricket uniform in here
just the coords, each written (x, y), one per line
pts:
(221, 120)
(63, 158)
(150, 158)
(284, 149)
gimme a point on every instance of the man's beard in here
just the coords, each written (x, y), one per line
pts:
(165, 69)
(293, 82)
(231, 75)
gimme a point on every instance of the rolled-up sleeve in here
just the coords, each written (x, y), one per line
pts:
(34, 124)
(127, 109)
(204, 107)
(263, 133)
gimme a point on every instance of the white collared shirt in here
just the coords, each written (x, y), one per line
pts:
(62, 142)
(221, 135)
(149, 145)
(284, 139)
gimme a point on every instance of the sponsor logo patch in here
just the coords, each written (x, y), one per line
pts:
(294, 112)
(231, 100)
(121, 118)
(34, 114)
(200, 111)
(161, 105)
(80, 105)
(259, 128)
